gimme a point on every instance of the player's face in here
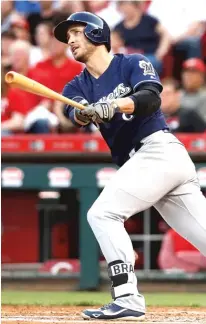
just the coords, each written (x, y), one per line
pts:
(80, 47)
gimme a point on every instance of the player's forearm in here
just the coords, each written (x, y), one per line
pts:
(126, 105)
(144, 102)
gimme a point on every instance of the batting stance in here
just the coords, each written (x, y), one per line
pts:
(122, 94)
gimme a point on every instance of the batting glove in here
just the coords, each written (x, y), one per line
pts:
(80, 118)
(101, 111)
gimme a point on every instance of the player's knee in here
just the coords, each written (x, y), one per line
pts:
(92, 216)
(96, 214)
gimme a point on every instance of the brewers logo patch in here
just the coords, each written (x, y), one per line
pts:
(147, 67)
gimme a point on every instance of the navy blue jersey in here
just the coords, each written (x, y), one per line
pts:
(121, 79)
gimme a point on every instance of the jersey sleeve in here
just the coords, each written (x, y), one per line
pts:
(141, 71)
(72, 92)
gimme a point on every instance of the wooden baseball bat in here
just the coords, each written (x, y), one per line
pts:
(20, 81)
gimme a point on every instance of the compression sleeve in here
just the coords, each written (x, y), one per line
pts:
(146, 100)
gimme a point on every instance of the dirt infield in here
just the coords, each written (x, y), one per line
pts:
(63, 315)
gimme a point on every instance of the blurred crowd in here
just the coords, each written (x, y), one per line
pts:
(172, 34)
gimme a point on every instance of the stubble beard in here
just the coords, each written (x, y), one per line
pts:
(83, 58)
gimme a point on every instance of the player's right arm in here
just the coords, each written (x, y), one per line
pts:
(145, 100)
(71, 91)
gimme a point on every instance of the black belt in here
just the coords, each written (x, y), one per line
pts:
(139, 144)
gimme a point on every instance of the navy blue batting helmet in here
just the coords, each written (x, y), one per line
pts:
(96, 29)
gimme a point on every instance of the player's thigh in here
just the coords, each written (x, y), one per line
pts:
(186, 213)
(141, 182)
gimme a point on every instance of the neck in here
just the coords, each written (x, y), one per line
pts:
(98, 62)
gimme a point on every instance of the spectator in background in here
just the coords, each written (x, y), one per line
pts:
(184, 20)
(178, 254)
(47, 11)
(117, 43)
(60, 69)
(7, 39)
(6, 14)
(12, 108)
(194, 87)
(43, 34)
(143, 33)
(68, 7)
(26, 7)
(38, 119)
(107, 10)
(178, 118)
(20, 27)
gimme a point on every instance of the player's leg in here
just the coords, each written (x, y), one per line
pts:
(148, 176)
(185, 211)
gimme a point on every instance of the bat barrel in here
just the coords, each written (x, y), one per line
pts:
(22, 82)
(9, 77)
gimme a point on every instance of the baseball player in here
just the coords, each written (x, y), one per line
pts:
(121, 93)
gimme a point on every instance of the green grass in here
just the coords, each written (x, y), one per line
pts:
(97, 298)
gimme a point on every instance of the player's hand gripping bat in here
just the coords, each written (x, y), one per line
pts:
(17, 80)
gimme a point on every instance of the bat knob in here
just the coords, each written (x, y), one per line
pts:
(9, 77)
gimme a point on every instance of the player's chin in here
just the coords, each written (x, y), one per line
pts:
(79, 57)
